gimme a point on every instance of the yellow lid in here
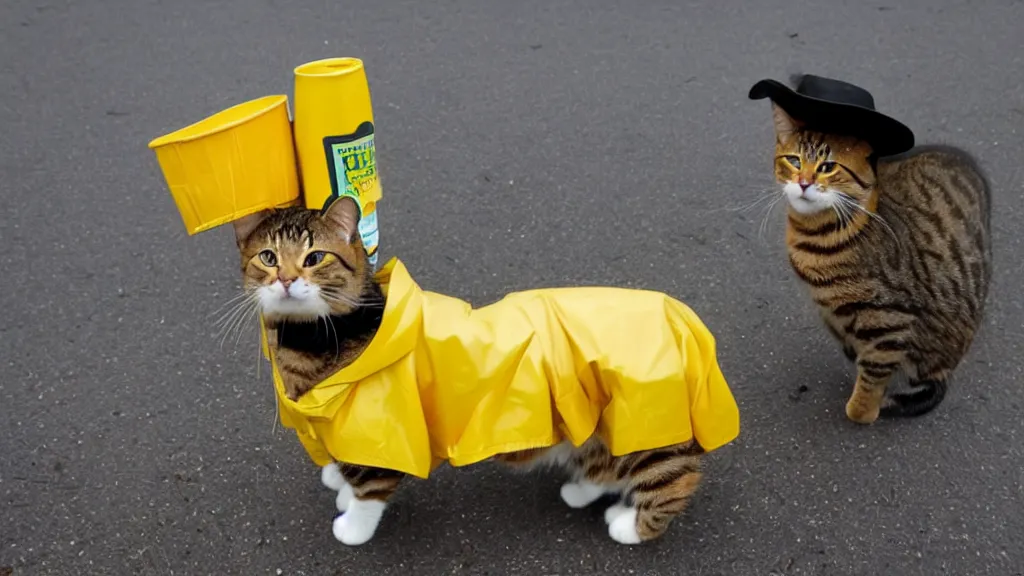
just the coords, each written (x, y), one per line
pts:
(231, 164)
(329, 67)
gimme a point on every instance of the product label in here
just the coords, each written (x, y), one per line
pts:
(352, 162)
(370, 235)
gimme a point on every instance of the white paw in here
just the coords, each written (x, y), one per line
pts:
(614, 511)
(622, 528)
(330, 476)
(344, 498)
(581, 494)
(357, 525)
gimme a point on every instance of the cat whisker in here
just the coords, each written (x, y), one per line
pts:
(848, 215)
(356, 302)
(854, 205)
(361, 300)
(246, 321)
(236, 303)
(839, 215)
(327, 325)
(259, 358)
(239, 309)
(767, 214)
(234, 299)
(764, 196)
(342, 302)
(240, 317)
(231, 312)
(227, 324)
(842, 211)
(339, 298)
(230, 328)
(337, 340)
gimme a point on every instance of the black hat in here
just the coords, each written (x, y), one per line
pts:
(834, 106)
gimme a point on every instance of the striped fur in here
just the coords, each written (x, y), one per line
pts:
(371, 483)
(896, 253)
(653, 486)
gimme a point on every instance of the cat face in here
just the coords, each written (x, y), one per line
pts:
(820, 172)
(301, 265)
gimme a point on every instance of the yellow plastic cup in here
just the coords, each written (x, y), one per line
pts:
(334, 138)
(231, 164)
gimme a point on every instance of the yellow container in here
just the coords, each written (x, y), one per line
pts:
(334, 137)
(231, 164)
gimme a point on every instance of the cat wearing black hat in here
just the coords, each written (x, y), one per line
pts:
(893, 241)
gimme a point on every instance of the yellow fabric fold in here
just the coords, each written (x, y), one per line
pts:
(442, 381)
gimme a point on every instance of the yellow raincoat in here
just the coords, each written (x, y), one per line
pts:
(444, 382)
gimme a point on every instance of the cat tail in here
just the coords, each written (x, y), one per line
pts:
(928, 395)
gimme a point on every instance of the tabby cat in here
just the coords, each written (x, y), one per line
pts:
(314, 286)
(896, 252)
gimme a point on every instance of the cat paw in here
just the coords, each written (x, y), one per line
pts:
(344, 499)
(358, 524)
(622, 527)
(581, 494)
(330, 476)
(861, 414)
(614, 511)
(350, 533)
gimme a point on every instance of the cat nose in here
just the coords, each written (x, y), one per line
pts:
(804, 184)
(286, 282)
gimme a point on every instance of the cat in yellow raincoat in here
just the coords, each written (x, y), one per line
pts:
(381, 379)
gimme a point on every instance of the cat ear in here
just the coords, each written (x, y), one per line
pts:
(343, 213)
(245, 225)
(784, 123)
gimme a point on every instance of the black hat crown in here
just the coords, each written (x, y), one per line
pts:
(834, 90)
(837, 107)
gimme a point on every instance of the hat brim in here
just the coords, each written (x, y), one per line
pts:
(886, 135)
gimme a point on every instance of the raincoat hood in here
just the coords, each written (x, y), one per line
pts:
(441, 381)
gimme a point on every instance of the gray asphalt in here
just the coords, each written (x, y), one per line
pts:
(521, 144)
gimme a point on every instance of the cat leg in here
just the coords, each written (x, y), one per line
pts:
(344, 498)
(622, 516)
(593, 472)
(583, 493)
(874, 370)
(330, 477)
(578, 493)
(882, 337)
(371, 488)
(657, 495)
(357, 525)
(836, 333)
(657, 487)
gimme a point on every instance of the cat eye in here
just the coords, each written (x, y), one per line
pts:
(826, 167)
(268, 258)
(793, 160)
(314, 258)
